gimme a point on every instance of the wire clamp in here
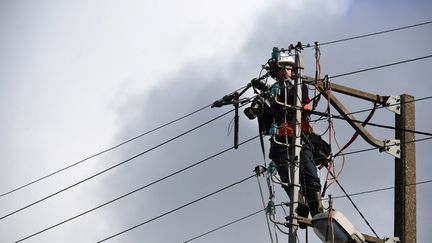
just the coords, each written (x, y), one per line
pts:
(259, 170)
(392, 147)
(392, 240)
(393, 104)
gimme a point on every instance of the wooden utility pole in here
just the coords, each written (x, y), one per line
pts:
(405, 173)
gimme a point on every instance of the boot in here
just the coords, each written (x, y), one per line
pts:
(302, 208)
(314, 203)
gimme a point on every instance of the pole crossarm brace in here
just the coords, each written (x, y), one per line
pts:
(321, 86)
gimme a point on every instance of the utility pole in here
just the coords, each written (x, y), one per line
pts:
(405, 173)
(294, 168)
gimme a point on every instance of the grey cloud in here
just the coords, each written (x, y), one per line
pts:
(199, 83)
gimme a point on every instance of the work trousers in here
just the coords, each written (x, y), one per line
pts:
(309, 179)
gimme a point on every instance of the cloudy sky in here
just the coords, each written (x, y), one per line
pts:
(77, 77)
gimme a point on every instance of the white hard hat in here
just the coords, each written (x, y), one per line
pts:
(285, 59)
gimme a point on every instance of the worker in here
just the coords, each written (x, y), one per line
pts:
(281, 69)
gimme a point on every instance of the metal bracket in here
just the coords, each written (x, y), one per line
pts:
(392, 240)
(392, 147)
(393, 104)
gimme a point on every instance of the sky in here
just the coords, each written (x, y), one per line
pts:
(78, 77)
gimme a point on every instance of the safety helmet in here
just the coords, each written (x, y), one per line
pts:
(285, 59)
(278, 60)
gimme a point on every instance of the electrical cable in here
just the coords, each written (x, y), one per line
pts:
(370, 109)
(262, 199)
(383, 189)
(224, 226)
(176, 209)
(111, 148)
(195, 128)
(353, 138)
(374, 124)
(381, 66)
(380, 107)
(370, 149)
(372, 34)
(138, 189)
(333, 197)
(116, 165)
(103, 151)
(323, 116)
(352, 202)
(420, 99)
(107, 150)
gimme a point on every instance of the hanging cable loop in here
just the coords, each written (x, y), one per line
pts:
(317, 74)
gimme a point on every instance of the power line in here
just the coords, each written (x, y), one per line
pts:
(202, 108)
(225, 225)
(375, 33)
(370, 123)
(109, 149)
(116, 165)
(179, 136)
(378, 67)
(370, 149)
(383, 189)
(138, 189)
(103, 151)
(178, 119)
(366, 110)
(352, 202)
(176, 209)
(170, 175)
(333, 197)
(239, 219)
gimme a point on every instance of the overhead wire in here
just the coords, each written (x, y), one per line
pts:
(370, 149)
(224, 226)
(376, 124)
(111, 148)
(161, 179)
(381, 107)
(116, 165)
(354, 72)
(329, 115)
(107, 150)
(352, 202)
(324, 116)
(262, 200)
(103, 151)
(176, 209)
(383, 189)
(49, 196)
(347, 195)
(138, 189)
(381, 66)
(180, 118)
(371, 34)
(333, 197)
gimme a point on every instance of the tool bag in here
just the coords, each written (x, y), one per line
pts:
(321, 149)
